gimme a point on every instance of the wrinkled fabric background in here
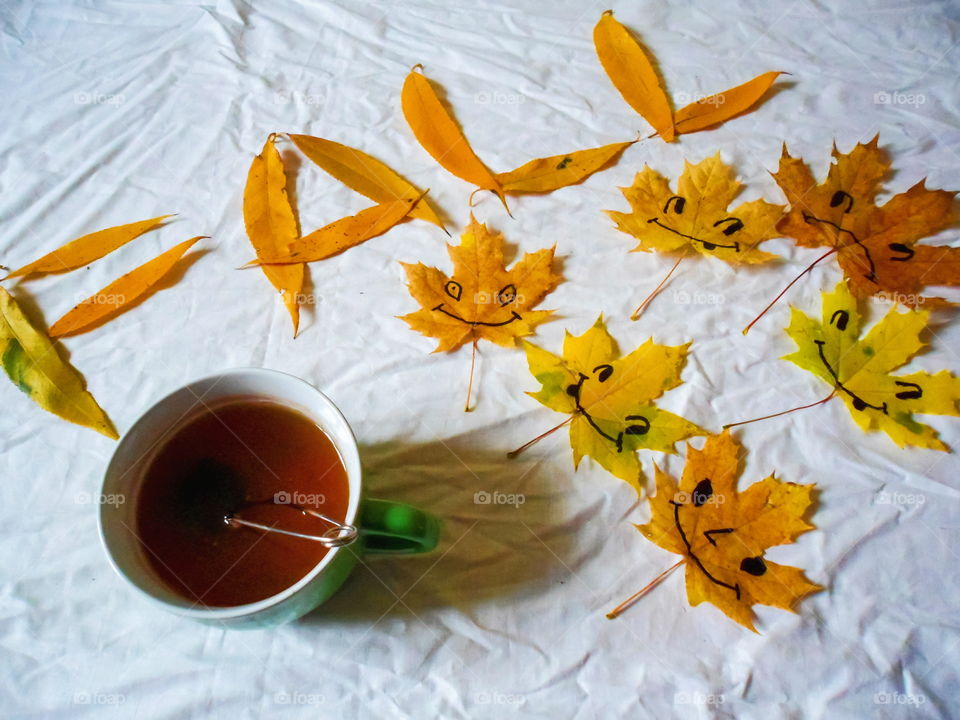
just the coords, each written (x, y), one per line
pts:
(117, 111)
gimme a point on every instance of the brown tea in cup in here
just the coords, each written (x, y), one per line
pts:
(249, 455)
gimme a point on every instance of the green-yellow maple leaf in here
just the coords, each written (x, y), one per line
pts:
(611, 398)
(859, 368)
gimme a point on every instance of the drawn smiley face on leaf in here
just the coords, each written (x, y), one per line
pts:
(859, 368)
(697, 216)
(611, 398)
(481, 299)
(875, 245)
(723, 534)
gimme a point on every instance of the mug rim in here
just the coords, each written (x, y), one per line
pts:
(247, 609)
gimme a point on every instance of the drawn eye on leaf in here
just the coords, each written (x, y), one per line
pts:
(453, 289)
(507, 294)
(696, 217)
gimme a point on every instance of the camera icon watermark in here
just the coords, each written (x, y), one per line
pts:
(93, 98)
(85, 498)
(899, 698)
(698, 698)
(500, 698)
(684, 98)
(98, 698)
(682, 297)
(298, 498)
(482, 497)
(499, 98)
(886, 497)
(698, 498)
(298, 698)
(885, 97)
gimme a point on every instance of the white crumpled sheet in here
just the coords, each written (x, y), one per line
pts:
(117, 111)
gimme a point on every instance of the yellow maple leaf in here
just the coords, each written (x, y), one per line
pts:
(859, 368)
(481, 299)
(697, 216)
(610, 398)
(722, 533)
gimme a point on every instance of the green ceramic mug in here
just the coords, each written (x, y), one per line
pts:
(385, 526)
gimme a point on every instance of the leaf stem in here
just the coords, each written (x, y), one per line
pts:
(513, 453)
(656, 290)
(784, 412)
(473, 362)
(643, 591)
(789, 285)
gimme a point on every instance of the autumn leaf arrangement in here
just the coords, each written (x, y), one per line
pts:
(609, 397)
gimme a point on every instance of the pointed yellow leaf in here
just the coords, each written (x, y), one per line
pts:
(84, 250)
(271, 224)
(363, 173)
(31, 361)
(343, 233)
(718, 108)
(438, 134)
(120, 294)
(632, 73)
(723, 534)
(545, 174)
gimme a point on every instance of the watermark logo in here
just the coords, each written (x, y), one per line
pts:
(298, 498)
(84, 498)
(295, 97)
(92, 98)
(503, 298)
(499, 698)
(684, 98)
(499, 98)
(699, 498)
(885, 497)
(98, 698)
(898, 698)
(298, 698)
(890, 298)
(698, 698)
(682, 297)
(884, 97)
(482, 497)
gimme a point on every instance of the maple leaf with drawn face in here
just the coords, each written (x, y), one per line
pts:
(875, 245)
(611, 398)
(481, 298)
(697, 216)
(859, 368)
(722, 533)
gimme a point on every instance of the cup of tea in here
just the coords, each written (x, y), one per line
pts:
(244, 503)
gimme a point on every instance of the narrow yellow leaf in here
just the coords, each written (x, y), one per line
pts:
(718, 108)
(632, 73)
(84, 250)
(271, 224)
(342, 234)
(33, 365)
(363, 173)
(440, 136)
(120, 294)
(545, 174)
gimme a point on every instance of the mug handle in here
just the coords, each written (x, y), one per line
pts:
(397, 529)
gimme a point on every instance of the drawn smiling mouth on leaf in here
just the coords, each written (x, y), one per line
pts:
(858, 402)
(840, 198)
(640, 425)
(504, 297)
(732, 225)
